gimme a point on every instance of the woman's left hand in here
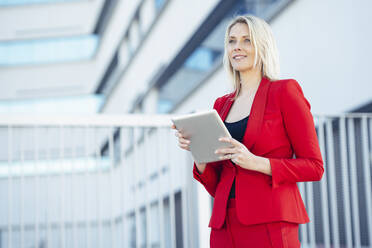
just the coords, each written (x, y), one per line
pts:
(238, 153)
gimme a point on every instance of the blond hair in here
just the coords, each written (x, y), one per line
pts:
(266, 52)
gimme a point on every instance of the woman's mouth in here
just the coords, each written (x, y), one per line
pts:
(239, 57)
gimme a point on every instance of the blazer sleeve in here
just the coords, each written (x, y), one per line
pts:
(211, 175)
(299, 125)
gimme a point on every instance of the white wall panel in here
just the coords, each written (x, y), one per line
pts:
(325, 45)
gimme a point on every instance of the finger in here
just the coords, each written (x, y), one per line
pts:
(173, 126)
(227, 156)
(184, 141)
(224, 151)
(186, 147)
(178, 134)
(183, 145)
(232, 141)
(185, 136)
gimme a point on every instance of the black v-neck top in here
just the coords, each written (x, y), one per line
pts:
(237, 130)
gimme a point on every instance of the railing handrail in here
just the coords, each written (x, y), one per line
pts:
(122, 120)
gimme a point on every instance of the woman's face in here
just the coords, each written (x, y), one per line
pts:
(240, 49)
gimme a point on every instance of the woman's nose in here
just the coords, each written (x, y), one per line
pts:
(237, 46)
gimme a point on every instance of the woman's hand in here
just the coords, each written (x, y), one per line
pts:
(238, 153)
(183, 142)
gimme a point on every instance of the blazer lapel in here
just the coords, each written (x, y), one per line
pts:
(256, 116)
(227, 105)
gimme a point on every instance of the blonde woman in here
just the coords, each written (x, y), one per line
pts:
(256, 199)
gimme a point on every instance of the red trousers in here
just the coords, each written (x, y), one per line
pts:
(267, 235)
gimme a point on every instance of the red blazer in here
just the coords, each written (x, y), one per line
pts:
(280, 125)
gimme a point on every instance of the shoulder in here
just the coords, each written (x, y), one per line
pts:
(286, 87)
(290, 92)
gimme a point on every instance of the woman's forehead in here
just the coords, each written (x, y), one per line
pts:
(239, 29)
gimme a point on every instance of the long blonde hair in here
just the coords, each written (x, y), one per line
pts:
(266, 52)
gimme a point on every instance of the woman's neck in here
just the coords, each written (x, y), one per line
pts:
(250, 80)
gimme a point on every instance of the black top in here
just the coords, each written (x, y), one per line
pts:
(237, 130)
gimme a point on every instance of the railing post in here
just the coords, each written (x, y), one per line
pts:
(36, 185)
(122, 185)
(137, 202)
(160, 191)
(62, 183)
(354, 182)
(147, 187)
(47, 182)
(88, 145)
(171, 191)
(74, 181)
(324, 186)
(185, 189)
(22, 179)
(111, 187)
(332, 183)
(345, 180)
(310, 206)
(10, 184)
(367, 176)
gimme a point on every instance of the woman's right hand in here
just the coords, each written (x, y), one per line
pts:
(183, 142)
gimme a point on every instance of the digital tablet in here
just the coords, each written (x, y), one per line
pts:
(203, 129)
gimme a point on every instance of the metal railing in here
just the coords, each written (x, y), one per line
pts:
(340, 206)
(95, 181)
(121, 181)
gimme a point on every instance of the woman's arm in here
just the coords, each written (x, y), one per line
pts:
(299, 125)
(209, 177)
(262, 165)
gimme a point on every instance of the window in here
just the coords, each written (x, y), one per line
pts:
(47, 50)
(123, 53)
(147, 15)
(135, 35)
(189, 76)
(159, 4)
(202, 59)
(70, 105)
(132, 232)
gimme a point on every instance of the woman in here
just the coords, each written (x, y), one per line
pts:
(256, 199)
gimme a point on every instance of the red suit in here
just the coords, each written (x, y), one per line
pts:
(280, 125)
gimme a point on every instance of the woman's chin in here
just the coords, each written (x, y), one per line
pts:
(242, 68)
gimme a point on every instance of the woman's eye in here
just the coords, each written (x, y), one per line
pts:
(231, 41)
(248, 40)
